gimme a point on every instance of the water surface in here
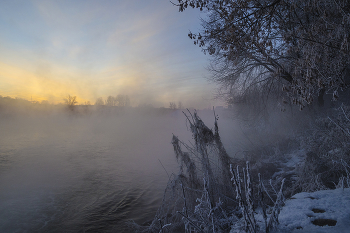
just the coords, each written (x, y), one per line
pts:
(83, 174)
(89, 173)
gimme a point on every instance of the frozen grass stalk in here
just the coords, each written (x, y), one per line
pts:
(202, 197)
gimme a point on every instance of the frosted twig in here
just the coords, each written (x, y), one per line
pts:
(345, 131)
(276, 210)
(190, 221)
(261, 200)
(183, 192)
(266, 191)
(273, 188)
(164, 168)
(345, 113)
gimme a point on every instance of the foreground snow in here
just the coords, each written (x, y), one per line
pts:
(326, 207)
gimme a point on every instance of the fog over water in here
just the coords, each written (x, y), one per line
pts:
(88, 173)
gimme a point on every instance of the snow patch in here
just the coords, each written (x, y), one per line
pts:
(317, 212)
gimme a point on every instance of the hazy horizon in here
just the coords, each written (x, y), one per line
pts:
(51, 49)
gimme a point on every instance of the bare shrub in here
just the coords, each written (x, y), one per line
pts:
(328, 146)
(246, 198)
(202, 198)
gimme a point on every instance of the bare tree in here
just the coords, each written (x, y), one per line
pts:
(300, 46)
(127, 102)
(70, 101)
(110, 101)
(99, 102)
(122, 100)
(172, 105)
(180, 105)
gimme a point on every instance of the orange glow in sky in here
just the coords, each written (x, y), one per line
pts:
(91, 49)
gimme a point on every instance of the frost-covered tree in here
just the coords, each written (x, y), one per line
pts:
(300, 46)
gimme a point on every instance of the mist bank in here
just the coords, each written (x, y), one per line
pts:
(95, 167)
(10, 107)
(243, 126)
(68, 170)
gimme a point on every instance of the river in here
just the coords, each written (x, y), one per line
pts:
(91, 173)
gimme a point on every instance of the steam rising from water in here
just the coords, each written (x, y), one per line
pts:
(90, 173)
(84, 173)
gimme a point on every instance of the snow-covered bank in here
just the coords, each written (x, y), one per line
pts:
(304, 212)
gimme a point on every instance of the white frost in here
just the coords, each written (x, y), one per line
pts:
(297, 215)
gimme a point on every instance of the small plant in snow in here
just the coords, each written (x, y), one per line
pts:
(344, 181)
(245, 197)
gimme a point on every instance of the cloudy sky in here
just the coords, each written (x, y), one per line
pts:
(96, 48)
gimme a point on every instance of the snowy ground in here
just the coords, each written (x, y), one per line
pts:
(305, 212)
(325, 211)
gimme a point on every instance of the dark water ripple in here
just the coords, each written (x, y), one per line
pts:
(72, 175)
(92, 174)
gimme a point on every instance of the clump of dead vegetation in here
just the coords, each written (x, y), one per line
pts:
(327, 143)
(213, 192)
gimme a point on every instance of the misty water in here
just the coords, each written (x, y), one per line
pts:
(90, 173)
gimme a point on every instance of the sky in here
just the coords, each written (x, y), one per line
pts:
(96, 48)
